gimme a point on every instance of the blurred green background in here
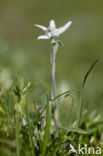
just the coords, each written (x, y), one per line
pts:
(22, 55)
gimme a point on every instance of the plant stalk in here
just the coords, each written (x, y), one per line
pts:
(53, 57)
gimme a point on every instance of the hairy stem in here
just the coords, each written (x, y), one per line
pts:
(53, 74)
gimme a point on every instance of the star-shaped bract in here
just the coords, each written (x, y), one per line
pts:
(52, 31)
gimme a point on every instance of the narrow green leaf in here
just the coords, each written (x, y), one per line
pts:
(17, 136)
(29, 124)
(75, 130)
(64, 93)
(47, 129)
(82, 92)
(89, 71)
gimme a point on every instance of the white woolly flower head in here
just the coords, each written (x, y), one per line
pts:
(51, 31)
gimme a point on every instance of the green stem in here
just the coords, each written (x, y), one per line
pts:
(80, 107)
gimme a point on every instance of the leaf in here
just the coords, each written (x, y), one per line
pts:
(47, 129)
(17, 136)
(95, 123)
(60, 43)
(67, 93)
(89, 71)
(29, 124)
(82, 92)
(75, 130)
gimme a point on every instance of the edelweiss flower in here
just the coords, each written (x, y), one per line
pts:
(52, 31)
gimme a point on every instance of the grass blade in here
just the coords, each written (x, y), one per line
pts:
(47, 129)
(17, 135)
(29, 125)
(89, 71)
(64, 93)
(75, 130)
(82, 92)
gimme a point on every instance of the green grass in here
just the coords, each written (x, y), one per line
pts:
(39, 136)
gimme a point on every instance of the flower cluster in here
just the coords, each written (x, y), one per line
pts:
(52, 31)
